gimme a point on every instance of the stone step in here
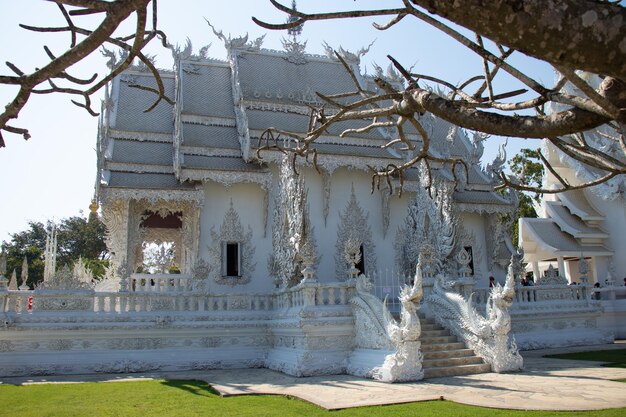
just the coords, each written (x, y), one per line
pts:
(444, 355)
(450, 362)
(435, 332)
(437, 340)
(439, 372)
(441, 354)
(442, 346)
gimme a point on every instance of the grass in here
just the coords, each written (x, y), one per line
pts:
(615, 358)
(195, 398)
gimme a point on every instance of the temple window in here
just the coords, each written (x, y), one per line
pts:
(231, 259)
(158, 251)
(158, 257)
(361, 265)
(468, 249)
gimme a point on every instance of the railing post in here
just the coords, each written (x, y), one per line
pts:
(4, 287)
(342, 295)
(331, 296)
(308, 294)
(123, 302)
(100, 302)
(320, 296)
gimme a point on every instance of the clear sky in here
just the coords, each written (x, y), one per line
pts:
(51, 176)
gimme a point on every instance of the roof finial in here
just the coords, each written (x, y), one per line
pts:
(297, 30)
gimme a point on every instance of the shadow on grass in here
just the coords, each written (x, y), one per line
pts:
(611, 358)
(194, 387)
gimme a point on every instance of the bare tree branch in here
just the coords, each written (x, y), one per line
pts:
(113, 14)
(566, 48)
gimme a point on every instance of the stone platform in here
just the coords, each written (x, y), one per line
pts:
(545, 384)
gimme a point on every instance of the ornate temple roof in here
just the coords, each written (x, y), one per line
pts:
(579, 205)
(222, 108)
(544, 236)
(570, 229)
(572, 224)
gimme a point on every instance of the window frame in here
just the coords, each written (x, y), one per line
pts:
(225, 259)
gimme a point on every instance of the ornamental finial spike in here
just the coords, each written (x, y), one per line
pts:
(297, 30)
(94, 206)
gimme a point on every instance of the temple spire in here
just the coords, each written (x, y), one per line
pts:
(295, 31)
(50, 255)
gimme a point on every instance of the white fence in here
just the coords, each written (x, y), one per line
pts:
(82, 301)
(387, 284)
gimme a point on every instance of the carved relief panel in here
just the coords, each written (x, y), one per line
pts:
(231, 252)
(354, 226)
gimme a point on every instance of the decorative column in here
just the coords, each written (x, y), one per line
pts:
(352, 255)
(536, 273)
(583, 269)
(24, 286)
(190, 236)
(561, 267)
(308, 283)
(464, 258)
(115, 217)
(4, 282)
(50, 255)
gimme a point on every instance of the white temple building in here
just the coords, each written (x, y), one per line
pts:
(587, 223)
(225, 257)
(189, 173)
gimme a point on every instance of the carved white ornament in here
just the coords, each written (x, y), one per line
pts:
(231, 230)
(115, 218)
(152, 196)
(228, 178)
(80, 278)
(496, 244)
(369, 320)
(50, 255)
(429, 221)
(295, 50)
(551, 278)
(354, 225)
(375, 328)
(291, 228)
(488, 336)
(3, 264)
(326, 183)
(385, 195)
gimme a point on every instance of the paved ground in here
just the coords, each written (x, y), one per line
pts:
(545, 384)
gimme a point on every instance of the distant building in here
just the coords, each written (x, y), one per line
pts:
(589, 223)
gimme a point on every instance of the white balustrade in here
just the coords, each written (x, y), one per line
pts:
(160, 295)
(161, 283)
(610, 292)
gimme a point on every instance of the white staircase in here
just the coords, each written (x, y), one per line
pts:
(445, 355)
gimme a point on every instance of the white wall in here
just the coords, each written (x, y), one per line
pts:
(615, 224)
(476, 224)
(248, 202)
(340, 190)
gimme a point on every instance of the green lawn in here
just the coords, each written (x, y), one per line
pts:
(616, 358)
(194, 398)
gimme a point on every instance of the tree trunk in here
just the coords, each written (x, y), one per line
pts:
(573, 33)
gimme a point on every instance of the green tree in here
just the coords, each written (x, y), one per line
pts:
(80, 237)
(77, 237)
(30, 243)
(527, 167)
